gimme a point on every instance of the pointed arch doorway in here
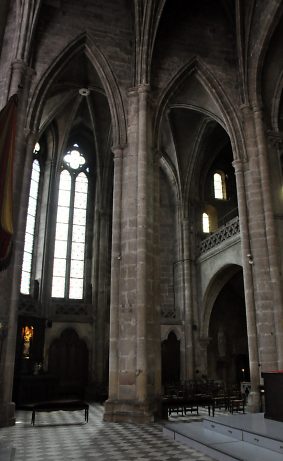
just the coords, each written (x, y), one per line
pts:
(170, 360)
(228, 358)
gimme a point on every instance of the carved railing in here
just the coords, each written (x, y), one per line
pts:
(230, 229)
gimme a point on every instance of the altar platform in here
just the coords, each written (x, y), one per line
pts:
(237, 437)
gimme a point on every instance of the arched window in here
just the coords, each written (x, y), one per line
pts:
(30, 225)
(219, 185)
(205, 223)
(69, 253)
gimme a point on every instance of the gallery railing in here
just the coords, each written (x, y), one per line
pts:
(225, 232)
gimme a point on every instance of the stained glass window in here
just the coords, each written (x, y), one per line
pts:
(30, 226)
(69, 253)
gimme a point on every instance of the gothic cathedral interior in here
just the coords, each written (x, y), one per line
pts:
(141, 199)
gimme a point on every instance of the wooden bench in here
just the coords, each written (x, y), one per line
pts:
(57, 405)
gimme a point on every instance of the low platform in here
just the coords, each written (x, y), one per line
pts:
(232, 437)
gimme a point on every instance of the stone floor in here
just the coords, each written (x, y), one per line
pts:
(63, 436)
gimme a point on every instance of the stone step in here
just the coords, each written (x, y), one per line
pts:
(7, 453)
(252, 428)
(218, 445)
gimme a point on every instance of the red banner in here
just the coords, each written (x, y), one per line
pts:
(7, 148)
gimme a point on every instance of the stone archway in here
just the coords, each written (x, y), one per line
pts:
(228, 359)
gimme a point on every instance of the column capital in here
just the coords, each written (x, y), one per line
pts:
(31, 135)
(117, 152)
(245, 107)
(139, 89)
(143, 88)
(238, 165)
(19, 64)
(275, 137)
(257, 108)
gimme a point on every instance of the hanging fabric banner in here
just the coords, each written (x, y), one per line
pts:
(7, 147)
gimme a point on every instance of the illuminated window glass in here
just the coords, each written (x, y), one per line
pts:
(219, 186)
(61, 235)
(205, 223)
(69, 253)
(30, 227)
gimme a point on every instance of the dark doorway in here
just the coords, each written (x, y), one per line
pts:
(170, 350)
(228, 359)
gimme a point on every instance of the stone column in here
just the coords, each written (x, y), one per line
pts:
(135, 332)
(272, 243)
(254, 396)
(142, 217)
(188, 311)
(47, 221)
(263, 294)
(115, 274)
(122, 403)
(102, 284)
(21, 179)
(156, 347)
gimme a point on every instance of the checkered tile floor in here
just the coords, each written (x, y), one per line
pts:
(64, 436)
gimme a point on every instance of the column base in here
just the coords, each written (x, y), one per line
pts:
(130, 411)
(7, 414)
(254, 404)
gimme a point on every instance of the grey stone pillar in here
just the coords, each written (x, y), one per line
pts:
(100, 356)
(155, 268)
(272, 243)
(188, 301)
(263, 294)
(115, 275)
(142, 218)
(134, 329)
(254, 396)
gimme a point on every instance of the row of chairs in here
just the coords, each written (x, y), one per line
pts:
(188, 396)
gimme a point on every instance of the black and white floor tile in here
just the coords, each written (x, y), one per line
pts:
(64, 436)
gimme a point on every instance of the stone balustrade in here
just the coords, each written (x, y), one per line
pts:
(226, 231)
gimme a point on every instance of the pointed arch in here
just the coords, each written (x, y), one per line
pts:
(196, 159)
(171, 174)
(216, 284)
(82, 44)
(272, 15)
(171, 329)
(204, 75)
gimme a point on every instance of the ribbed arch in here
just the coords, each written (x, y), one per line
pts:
(81, 44)
(271, 18)
(197, 68)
